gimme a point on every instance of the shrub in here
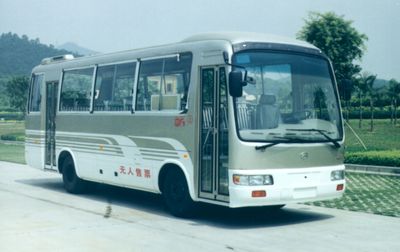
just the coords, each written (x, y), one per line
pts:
(8, 137)
(20, 138)
(11, 116)
(382, 158)
(13, 137)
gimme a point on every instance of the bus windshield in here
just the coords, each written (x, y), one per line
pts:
(292, 98)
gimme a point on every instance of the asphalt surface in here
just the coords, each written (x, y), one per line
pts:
(36, 214)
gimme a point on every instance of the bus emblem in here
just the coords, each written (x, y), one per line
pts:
(304, 155)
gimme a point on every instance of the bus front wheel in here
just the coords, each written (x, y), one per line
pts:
(176, 194)
(72, 183)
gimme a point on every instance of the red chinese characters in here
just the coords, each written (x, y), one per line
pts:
(179, 121)
(122, 170)
(146, 173)
(130, 171)
(137, 172)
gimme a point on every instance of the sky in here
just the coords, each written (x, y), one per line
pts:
(114, 25)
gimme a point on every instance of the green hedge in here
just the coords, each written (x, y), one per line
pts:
(7, 109)
(12, 116)
(382, 158)
(378, 114)
(11, 137)
(8, 137)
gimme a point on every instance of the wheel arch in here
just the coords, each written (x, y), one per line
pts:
(64, 154)
(178, 168)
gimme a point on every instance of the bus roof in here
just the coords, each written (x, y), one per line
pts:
(242, 37)
(233, 38)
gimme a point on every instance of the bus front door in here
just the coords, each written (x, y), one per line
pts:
(213, 161)
(51, 107)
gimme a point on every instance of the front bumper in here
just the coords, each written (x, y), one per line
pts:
(290, 185)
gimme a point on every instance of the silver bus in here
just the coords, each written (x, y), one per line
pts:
(234, 119)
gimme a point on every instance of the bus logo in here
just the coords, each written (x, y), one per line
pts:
(304, 155)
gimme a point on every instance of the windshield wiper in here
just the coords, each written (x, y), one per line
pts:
(286, 140)
(322, 132)
(263, 147)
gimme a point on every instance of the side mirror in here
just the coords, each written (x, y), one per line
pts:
(236, 83)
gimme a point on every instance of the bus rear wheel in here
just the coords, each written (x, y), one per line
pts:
(72, 183)
(176, 195)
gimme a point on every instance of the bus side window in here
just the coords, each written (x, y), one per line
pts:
(149, 83)
(123, 84)
(35, 94)
(164, 83)
(113, 87)
(103, 87)
(76, 90)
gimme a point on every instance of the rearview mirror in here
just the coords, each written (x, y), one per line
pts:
(236, 83)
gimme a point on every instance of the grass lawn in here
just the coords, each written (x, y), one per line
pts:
(12, 153)
(15, 128)
(384, 137)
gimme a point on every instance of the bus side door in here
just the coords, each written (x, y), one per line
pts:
(51, 108)
(213, 160)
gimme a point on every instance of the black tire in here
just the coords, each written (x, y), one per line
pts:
(276, 207)
(176, 195)
(72, 183)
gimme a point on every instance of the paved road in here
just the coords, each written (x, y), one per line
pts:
(37, 215)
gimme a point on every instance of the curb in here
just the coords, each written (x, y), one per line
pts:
(373, 169)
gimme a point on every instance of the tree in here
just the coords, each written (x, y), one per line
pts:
(394, 95)
(366, 85)
(17, 91)
(319, 101)
(20, 54)
(361, 91)
(341, 42)
(3, 94)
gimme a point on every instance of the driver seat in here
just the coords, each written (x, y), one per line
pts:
(267, 112)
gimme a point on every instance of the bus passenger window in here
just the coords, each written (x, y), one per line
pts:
(164, 83)
(76, 90)
(34, 94)
(113, 87)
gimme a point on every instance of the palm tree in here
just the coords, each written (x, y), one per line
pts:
(365, 84)
(394, 95)
(319, 101)
(360, 90)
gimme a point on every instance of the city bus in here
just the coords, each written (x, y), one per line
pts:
(234, 119)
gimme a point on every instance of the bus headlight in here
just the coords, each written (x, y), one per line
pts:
(337, 175)
(252, 180)
(256, 180)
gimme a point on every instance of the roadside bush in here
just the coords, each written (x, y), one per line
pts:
(11, 116)
(8, 137)
(382, 158)
(378, 114)
(20, 138)
(12, 137)
(7, 109)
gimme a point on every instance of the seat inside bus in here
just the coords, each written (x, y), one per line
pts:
(267, 112)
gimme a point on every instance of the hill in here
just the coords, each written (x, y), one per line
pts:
(380, 83)
(18, 55)
(72, 47)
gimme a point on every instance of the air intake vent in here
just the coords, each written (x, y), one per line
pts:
(49, 60)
